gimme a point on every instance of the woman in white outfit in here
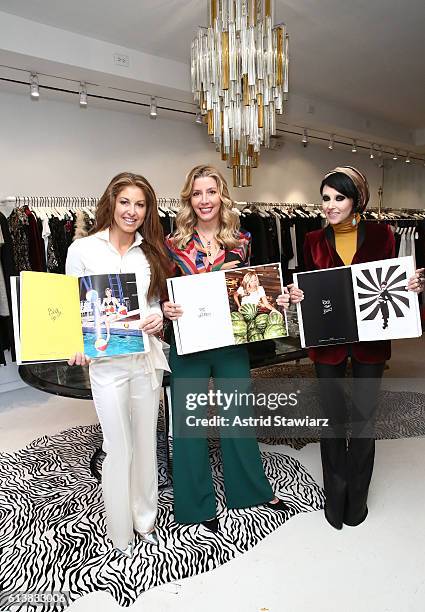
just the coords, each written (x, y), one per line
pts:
(128, 237)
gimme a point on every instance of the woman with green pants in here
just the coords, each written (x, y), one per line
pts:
(208, 238)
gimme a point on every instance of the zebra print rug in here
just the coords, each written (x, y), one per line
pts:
(52, 523)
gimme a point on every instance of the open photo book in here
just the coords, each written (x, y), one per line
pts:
(229, 307)
(361, 302)
(56, 316)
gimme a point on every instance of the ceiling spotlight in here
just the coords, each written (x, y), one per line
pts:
(354, 147)
(371, 154)
(198, 118)
(305, 138)
(153, 113)
(331, 142)
(83, 95)
(34, 87)
(395, 156)
(407, 160)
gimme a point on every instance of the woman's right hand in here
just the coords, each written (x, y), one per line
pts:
(296, 295)
(79, 359)
(172, 311)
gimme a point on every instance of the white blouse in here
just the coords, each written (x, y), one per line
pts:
(251, 298)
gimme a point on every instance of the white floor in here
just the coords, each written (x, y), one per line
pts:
(306, 564)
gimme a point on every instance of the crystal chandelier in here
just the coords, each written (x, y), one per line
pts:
(239, 67)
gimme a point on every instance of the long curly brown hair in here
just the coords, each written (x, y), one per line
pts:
(151, 229)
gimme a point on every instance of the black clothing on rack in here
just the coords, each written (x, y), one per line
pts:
(8, 266)
(254, 224)
(264, 228)
(36, 253)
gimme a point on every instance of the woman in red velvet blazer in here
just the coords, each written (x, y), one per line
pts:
(347, 461)
(374, 241)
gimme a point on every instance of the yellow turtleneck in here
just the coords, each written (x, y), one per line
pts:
(346, 239)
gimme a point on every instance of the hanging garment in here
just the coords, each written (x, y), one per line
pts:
(8, 269)
(293, 262)
(253, 223)
(19, 230)
(4, 304)
(57, 247)
(35, 243)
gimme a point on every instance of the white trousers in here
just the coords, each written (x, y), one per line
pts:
(127, 408)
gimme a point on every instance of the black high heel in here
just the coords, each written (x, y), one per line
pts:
(212, 524)
(280, 506)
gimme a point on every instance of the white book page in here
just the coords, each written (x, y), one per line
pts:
(206, 322)
(15, 314)
(384, 308)
(299, 314)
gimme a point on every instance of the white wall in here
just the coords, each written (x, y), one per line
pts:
(53, 147)
(404, 185)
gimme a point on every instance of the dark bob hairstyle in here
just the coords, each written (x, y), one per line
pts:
(342, 183)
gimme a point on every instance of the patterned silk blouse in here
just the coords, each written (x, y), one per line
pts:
(193, 259)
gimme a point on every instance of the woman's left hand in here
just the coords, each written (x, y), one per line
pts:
(416, 282)
(152, 324)
(283, 299)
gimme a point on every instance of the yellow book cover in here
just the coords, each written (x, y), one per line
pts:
(50, 316)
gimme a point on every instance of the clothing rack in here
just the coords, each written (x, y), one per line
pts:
(169, 202)
(69, 201)
(380, 210)
(46, 201)
(174, 203)
(277, 204)
(382, 214)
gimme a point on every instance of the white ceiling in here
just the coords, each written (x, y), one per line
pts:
(367, 56)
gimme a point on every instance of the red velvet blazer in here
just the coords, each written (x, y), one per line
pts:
(374, 241)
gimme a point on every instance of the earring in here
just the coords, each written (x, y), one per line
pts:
(354, 221)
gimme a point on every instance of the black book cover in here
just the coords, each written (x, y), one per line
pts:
(328, 309)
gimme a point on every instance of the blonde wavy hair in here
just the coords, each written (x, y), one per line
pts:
(249, 276)
(186, 219)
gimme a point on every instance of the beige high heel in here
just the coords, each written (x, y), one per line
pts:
(126, 552)
(149, 538)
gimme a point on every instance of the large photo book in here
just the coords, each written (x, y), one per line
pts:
(56, 316)
(361, 302)
(229, 307)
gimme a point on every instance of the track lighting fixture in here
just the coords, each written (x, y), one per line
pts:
(198, 119)
(304, 138)
(395, 156)
(371, 154)
(34, 87)
(331, 142)
(354, 147)
(153, 113)
(83, 95)
(407, 160)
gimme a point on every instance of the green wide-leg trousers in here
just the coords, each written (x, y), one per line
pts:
(244, 480)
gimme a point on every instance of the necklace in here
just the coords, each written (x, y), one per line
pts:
(208, 245)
